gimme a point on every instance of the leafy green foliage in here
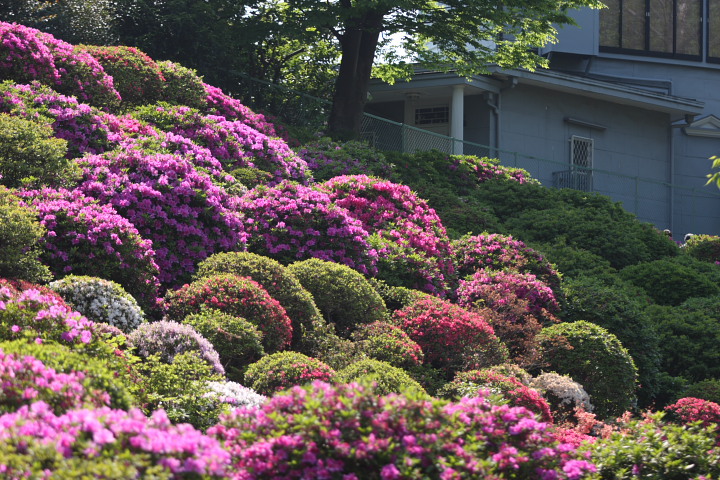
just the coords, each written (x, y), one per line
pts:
(384, 377)
(182, 85)
(596, 359)
(283, 370)
(574, 261)
(708, 389)
(704, 247)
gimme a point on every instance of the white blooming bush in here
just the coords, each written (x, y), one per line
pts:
(235, 394)
(101, 301)
(562, 393)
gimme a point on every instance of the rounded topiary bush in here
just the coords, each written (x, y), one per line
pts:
(102, 301)
(343, 296)
(235, 395)
(389, 343)
(563, 394)
(468, 383)
(327, 159)
(670, 282)
(237, 341)
(690, 410)
(168, 339)
(347, 431)
(451, 337)
(708, 389)
(384, 377)
(279, 282)
(396, 298)
(182, 85)
(290, 222)
(237, 296)
(283, 370)
(595, 358)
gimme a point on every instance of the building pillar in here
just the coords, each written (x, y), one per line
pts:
(457, 110)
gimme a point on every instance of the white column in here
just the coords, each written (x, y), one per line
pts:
(457, 110)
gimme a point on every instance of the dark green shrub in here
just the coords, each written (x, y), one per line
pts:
(31, 156)
(708, 389)
(182, 85)
(20, 232)
(386, 378)
(388, 343)
(573, 261)
(283, 370)
(596, 359)
(342, 295)
(615, 309)
(671, 281)
(251, 177)
(237, 341)
(98, 376)
(396, 298)
(704, 247)
(279, 282)
(328, 159)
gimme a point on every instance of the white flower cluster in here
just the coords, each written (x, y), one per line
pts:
(562, 391)
(101, 301)
(235, 394)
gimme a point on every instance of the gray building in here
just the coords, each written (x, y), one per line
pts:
(630, 107)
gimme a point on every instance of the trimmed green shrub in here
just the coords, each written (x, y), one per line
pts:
(574, 261)
(388, 343)
(237, 341)
(622, 314)
(102, 301)
(396, 298)
(325, 345)
(342, 295)
(328, 159)
(283, 370)
(276, 279)
(384, 377)
(704, 247)
(708, 389)
(182, 85)
(671, 282)
(30, 156)
(20, 232)
(596, 359)
(99, 377)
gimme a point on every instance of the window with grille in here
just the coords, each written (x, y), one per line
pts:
(581, 161)
(432, 115)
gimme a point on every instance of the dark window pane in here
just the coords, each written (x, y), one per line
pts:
(610, 24)
(688, 26)
(633, 24)
(661, 26)
(714, 30)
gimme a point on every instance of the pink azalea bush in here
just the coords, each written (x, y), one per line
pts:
(283, 370)
(28, 54)
(219, 103)
(411, 241)
(84, 237)
(524, 286)
(238, 296)
(346, 431)
(291, 222)
(170, 202)
(690, 409)
(451, 337)
(95, 441)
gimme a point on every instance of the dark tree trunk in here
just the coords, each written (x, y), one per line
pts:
(359, 45)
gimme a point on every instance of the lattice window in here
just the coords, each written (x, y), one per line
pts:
(432, 115)
(581, 162)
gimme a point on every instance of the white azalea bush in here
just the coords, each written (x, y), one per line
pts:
(235, 394)
(562, 393)
(100, 300)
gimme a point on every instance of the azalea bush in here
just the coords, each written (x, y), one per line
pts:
(563, 394)
(384, 377)
(182, 85)
(343, 296)
(388, 343)
(234, 394)
(102, 301)
(237, 296)
(327, 159)
(690, 410)
(393, 436)
(452, 338)
(282, 370)
(412, 244)
(291, 222)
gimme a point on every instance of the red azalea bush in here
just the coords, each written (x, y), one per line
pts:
(238, 296)
(451, 337)
(291, 222)
(689, 410)
(388, 343)
(406, 231)
(510, 388)
(170, 202)
(283, 370)
(85, 238)
(16, 286)
(347, 431)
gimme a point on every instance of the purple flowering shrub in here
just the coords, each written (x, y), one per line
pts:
(328, 159)
(282, 370)
(84, 237)
(519, 395)
(387, 342)
(136, 76)
(28, 55)
(412, 244)
(237, 296)
(168, 339)
(347, 431)
(452, 338)
(493, 251)
(525, 286)
(290, 222)
(92, 442)
(218, 103)
(25, 379)
(170, 202)
(234, 143)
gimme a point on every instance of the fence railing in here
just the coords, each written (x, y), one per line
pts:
(654, 201)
